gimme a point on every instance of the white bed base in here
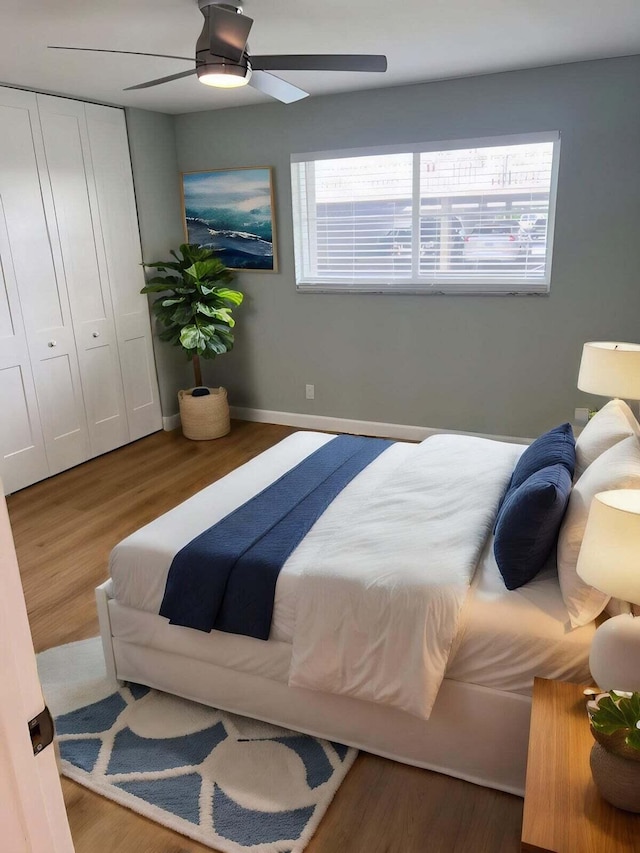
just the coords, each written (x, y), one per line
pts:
(475, 733)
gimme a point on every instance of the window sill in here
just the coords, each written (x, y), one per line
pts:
(396, 288)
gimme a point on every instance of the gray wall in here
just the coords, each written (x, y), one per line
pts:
(157, 185)
(504, 365)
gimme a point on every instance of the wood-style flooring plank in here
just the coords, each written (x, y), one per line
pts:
(64, 530)
(65, 527)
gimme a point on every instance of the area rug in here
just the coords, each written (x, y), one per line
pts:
(229, 782)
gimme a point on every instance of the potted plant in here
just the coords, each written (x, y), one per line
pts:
(195, 310)
(615, 757)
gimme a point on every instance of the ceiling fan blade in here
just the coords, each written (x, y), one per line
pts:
(130, 52)
(279, 89)
(228, 32)
(320, 62)
(161, 80)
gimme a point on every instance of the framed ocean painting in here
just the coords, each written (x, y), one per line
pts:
(232, 212)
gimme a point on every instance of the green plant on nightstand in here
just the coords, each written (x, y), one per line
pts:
(615, 757)
(617, 714)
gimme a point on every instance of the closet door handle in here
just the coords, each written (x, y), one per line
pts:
(95, 334)
(52, 344)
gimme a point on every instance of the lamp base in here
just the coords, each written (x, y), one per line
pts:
(615, 654)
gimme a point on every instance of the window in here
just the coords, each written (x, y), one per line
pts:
(473, 216)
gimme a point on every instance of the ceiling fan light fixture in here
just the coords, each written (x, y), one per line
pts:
(224, 75)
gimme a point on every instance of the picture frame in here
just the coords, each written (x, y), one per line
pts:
(232, 211)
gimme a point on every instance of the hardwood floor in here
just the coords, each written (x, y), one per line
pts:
(64, 529)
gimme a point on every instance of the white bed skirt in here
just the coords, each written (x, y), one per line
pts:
(474, 733)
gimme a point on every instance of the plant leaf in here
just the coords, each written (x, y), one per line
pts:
(233, 296)
(191, 253)
(627, 710)
(607, 713)
(226, 337)
(217, 347)
(206, 270)
(168, 280)
(162, 265)
(182, 315)
(172, 336)
(216, 313)
(189, 337)
(207, 310)
(633, 739)
(155, 288)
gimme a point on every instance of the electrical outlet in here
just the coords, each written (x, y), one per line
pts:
(310, 392)
(581, 416)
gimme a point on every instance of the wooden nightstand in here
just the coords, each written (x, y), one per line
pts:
(563, 811)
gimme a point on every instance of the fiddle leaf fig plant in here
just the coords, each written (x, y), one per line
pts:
(617, 712)
(195, 306)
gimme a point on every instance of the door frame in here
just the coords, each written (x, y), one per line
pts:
(32, 810)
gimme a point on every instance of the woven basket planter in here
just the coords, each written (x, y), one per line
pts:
(204, 417)
(617, 778)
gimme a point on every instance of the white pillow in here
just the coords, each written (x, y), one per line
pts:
(607, 427)
(616, 468)
(616, 607)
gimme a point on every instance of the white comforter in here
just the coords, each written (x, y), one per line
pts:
(380, 577)
(386, 573)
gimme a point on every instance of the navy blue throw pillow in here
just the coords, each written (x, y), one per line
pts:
(529, 522)
(556, 447)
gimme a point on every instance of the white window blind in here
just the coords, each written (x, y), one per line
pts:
(472, 216)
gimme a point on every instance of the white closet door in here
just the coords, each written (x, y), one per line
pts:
(21, 443)
(70, 173)
(118, 218)
(39, 279)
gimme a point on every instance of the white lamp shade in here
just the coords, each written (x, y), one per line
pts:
(610, 369)
(609, 557)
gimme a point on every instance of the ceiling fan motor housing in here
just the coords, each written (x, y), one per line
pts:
(231, 5)
(229, 66)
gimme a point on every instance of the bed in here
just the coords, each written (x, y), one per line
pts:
(478, 722)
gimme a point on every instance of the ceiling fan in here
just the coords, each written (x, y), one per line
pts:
(223, 59)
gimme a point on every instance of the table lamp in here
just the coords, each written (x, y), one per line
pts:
(610, 561)
(610, 369)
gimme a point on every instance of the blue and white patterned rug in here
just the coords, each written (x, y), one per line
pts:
(232, 783)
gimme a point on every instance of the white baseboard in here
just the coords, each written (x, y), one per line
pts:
(171, 422)
(353, 427)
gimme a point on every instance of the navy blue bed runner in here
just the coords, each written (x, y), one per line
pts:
(226, 577)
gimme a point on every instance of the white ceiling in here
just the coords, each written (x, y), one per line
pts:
(423, 40)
